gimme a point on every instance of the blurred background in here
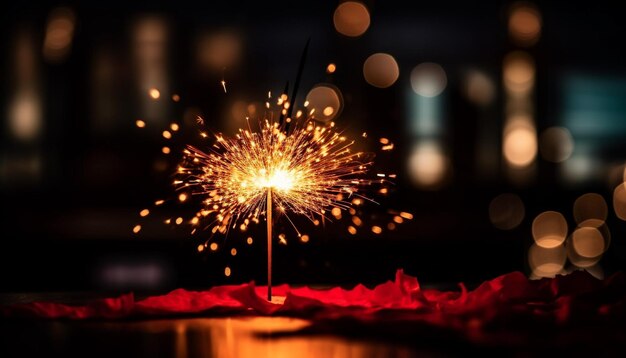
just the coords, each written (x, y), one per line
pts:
(505, 123)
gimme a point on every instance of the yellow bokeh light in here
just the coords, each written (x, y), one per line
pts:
(590, 206)
(619, 201)
(518, 72)
(140, 124)
(144, 212)
(325, 102)
(167, 134)
(227, 271)
(182, 197)
(137, 228)
(520, 146)
(331, 68)
(381, 70)
(154, 93)
(549, 229)
(249, 240)
(213, 246)
(545, 262)
(304, 238)
(351, 18)
(165, 150)
(588, 242)
(428, 165)
(377, 229)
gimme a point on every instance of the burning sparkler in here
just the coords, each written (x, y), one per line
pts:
(302, 168)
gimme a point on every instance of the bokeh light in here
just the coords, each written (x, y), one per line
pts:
(428, 79)
(590, 206)
(556, 144)
(219, 51)
(325, 101)
(524, 24)
(479, 88)
(381, 70)
(519, 145)
(519, 72)
(506, 211)
(545, 262)
(588, 242)
(428, 165)
(59, 33)
(351, 18)
(549, 229)
(619, 201)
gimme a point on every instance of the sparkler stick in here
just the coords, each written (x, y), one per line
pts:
(269, 244)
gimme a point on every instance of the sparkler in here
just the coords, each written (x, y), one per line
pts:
(301, 168)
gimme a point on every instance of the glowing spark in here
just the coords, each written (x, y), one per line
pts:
(200, 120)
(223, 85)
(213, 246)
(175, 127)
(308, 168)
(137, 228)
(165, 150)
(377, 229)
(331, 68)
(227, 271)
(304, 238)
(140, 124)
(144, 212)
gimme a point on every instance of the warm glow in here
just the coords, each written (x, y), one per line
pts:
(167, 134)
(331, 68)
(182, 197)
(249, 241)
(519, 72)
(427, 165)
(590, 206)
(549, 229)
(175, 98)
(546, 262)
(428, 79)
(304, 238)
(233, 251)
(479, 88)
(619, 201)
(524, 24)
(174, 127)
(279, 179)
(520, 146)
(588, 242)
(140, 124)
(137, 228)
(227, 271)
(154, 93)
(377, 229)
(307, 169)
(59, 34)
(351, 18)
(213, 246)
(325, 102)
(352, 230)
(381, 70)
(165, 150)
(506, 211)
(144, 212)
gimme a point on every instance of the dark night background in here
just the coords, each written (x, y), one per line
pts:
(75, 170)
